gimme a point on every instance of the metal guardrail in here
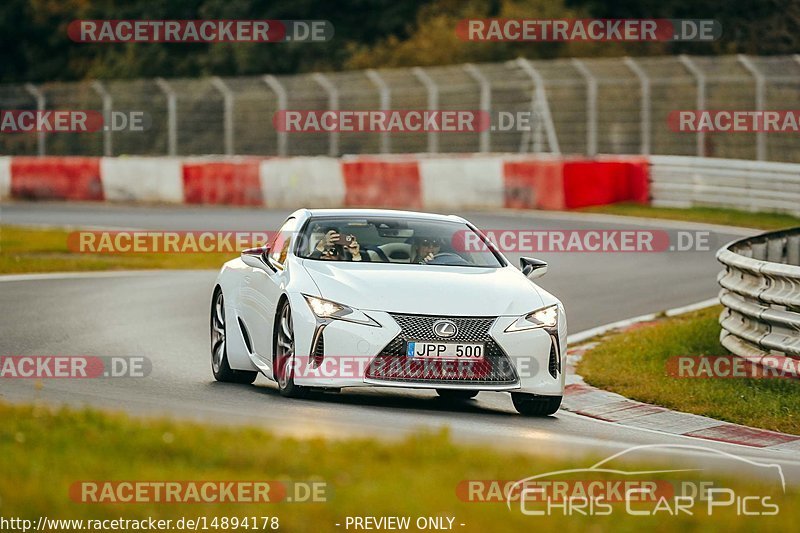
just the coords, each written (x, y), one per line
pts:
(728, 183)
(761, 295)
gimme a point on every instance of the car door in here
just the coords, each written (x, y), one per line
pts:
(262, 287)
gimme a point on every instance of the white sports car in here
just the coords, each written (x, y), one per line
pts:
(357, 297)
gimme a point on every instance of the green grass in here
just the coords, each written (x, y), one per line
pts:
(710, 215)
(24, 250)
(43, 452)
(633, 364)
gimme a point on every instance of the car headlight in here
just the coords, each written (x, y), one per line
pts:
(329, 310)
(546, 317)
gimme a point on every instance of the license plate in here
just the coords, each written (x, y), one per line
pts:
(445, 350)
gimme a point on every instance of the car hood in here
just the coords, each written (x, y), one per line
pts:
(426, 289)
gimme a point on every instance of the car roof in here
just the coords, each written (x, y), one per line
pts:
(381, 213)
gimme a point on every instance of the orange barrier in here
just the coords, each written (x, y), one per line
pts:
(534, 184)
(601, 182)
(218, 182)
(59, 178)
(376, 183)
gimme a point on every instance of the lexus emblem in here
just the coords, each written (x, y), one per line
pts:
(445, 328)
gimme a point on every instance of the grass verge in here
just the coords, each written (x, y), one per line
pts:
(43, 452)
(634, 363)
(709, 215)
(26, 250)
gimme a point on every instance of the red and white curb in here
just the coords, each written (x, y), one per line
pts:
(586, 400)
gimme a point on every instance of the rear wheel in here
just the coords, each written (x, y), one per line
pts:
(284, 355)
(456, 394)
(533, 405)
(219, 353)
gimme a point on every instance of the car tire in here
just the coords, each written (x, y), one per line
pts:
(219, 347)
(284, 354)
(533, 405)
(456, 394)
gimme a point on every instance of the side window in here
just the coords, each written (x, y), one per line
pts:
(282, 241)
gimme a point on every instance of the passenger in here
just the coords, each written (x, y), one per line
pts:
(330, 249)
(353, 251)
(327, 248)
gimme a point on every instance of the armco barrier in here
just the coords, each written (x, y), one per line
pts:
(401, 181)
(678, 181)
(761, 295)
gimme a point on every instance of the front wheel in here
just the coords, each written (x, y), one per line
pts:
(533, 405)
(285, 355)
(219, 349)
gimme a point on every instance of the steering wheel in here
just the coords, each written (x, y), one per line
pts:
(456, 259)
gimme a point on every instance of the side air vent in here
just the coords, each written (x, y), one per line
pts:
(245, 335)
(554, 366)
(319, 349)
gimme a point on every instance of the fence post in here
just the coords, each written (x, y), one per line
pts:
(227, 96)
(433, 104)
(100, 89)
(485, 104)
(333, 105)
(172, 117)
(645, 125)
(386, 104)
(41, 102)
(695, 71)
(541, 98)
(283, 103)
(760, 98)
(591, 106)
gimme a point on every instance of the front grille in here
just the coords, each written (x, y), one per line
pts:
(392, 364)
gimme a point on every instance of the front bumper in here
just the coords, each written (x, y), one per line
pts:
(352, 355)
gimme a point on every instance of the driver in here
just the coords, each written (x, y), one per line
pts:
(424, 249)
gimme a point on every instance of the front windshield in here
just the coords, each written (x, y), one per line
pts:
(393, 240)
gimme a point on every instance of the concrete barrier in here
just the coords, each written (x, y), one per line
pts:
(445, 182)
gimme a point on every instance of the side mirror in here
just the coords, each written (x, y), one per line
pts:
(257, 257)
(533, 268)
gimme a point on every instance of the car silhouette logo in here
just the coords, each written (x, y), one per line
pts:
(445, 329)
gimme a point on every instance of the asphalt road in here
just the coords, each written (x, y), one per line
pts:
(164, 317)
